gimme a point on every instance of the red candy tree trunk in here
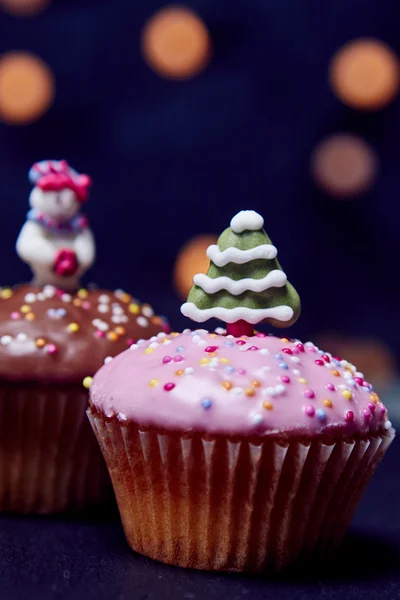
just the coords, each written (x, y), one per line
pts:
(240, 328)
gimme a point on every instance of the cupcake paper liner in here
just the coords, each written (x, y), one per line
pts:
(49, 459)
(233, 504)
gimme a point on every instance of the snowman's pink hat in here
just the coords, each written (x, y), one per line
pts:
(56, 175)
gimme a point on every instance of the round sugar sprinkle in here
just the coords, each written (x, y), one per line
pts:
(309, 410)
(87, 382)
(206, 403)
(257, 419)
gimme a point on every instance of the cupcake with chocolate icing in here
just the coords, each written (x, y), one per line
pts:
(237, 451)
(54, 335)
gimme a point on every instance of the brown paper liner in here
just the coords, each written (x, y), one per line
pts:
(233, 504)
(49, 459)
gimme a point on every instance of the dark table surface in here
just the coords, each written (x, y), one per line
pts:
(55, 558)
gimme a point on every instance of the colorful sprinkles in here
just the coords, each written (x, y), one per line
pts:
(262, 387)
(113, 312)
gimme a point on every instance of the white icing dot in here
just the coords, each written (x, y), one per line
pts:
(347, 375)
(117, 319)
(142, 321)
(5, 340)
(167, 343)
(104, 299)
(359, 374)
(388, 424)
(269, 391)
(117, 310)
(342, 387)
(141, 341)
(153, 345)
(237, 391)
(29, 298)
(49, 291)
(134, 347)
(280, 389)
(66, 297)
(246, 220)
(147, 311)
(99, 324)
(22, 337)
(343, 363)
(103, 308)
(296, 372)
(244, 347)
(264, 351)
(122, 416)
(107, 359)
(295, 359)
(214, 363)
(40, 296)
(220, 331)
(189, 371)
(257, 418)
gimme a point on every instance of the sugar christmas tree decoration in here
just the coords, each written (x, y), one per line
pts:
(245, 283)
(56, 241)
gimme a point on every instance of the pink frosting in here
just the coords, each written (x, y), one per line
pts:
(217, 384)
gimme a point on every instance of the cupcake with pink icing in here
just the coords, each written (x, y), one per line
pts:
(237, 450)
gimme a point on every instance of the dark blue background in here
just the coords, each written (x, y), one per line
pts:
(173, 159)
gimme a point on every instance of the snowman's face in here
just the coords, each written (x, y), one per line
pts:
(62, 205)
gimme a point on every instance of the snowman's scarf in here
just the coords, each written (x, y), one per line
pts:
(75, 225)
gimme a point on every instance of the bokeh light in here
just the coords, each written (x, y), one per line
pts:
(344, 165)
(192, 259)
(364, 74)
(176, 43)
(24, 8)
(26, 88)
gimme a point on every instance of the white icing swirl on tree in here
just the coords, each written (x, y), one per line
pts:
(275, 278)
(239, 257)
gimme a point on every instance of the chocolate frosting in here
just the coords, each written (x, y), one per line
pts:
(51, 336)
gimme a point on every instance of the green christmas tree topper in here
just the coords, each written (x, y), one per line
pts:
(245, 283)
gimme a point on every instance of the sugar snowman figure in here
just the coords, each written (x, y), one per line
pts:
(55, 240)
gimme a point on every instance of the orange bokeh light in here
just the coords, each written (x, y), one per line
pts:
(344, 165)
(364, 74)
(192, 259)
(176, 43)
(26, 88)
(24, 8)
